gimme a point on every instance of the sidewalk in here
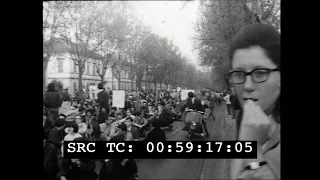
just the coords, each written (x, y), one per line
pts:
(223, 130)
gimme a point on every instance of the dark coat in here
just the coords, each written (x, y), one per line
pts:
(135, 132)
(197, 105)
(52, 99)
(113, 170)
(56, 136)
(157, 134)
(103, 100)
(50, 162)
(86, 170)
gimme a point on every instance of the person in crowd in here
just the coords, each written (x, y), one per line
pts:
(57, 134)
(212, 101)
(47, 124)
(103, 98)
(82, 126)
(140, 122)
(89, 115)
(132, 129)
(194, 103)
(66, 103)
(50, 161)
(255, 75)
(71, 115)
(113, 111)
(72, 131)
(96, 134)
(52, 101)
(102, 115)
(77, 169)
(228, 103)
(156, 134)
(106, 127)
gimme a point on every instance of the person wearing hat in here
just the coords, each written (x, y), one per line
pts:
(103, 98)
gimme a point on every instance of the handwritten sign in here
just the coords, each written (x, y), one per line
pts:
(118, 99)
(184, 94)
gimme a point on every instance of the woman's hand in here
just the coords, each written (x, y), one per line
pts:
(255, 125)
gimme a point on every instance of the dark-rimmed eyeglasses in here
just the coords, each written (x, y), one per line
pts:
(258, 75)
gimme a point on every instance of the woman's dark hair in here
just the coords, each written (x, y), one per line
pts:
(114, 108)
(81, 109)
(123, 127)
(266, 37)
(96, 131)
(59, 122)
(74, 126)
(261, 35)
(90, 110)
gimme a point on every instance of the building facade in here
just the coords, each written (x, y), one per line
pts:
(62, 68)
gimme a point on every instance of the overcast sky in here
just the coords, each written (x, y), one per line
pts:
(167, 18)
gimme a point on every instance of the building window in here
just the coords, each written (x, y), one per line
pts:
(94, 70)
(60, 65)
(74, 67)
(88, 68)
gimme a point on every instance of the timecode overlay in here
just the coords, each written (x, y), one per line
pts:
(161, 150)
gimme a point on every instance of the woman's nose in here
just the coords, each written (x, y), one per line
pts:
(249, 85)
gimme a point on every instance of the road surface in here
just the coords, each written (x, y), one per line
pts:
(188, 168)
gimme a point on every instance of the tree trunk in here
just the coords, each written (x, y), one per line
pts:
(102, 79)
(81, 70)
(131, 84)
(155, 85)
(45, 66)
(119, 81)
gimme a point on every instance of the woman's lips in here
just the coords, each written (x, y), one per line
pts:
(253, 99)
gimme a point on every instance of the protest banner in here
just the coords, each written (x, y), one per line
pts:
(118, 98)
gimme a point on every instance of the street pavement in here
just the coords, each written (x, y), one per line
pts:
(188, 168)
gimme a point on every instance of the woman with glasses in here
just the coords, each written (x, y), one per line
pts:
(255, 76)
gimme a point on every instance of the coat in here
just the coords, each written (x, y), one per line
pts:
(52, 99)
(196, 105)
(85, 171)
(270, 153)
(50, 162)
(103, 100)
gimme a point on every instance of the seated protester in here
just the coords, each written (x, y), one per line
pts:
(89, 115)
(72, 132)
(50, 161)
(141, 122)
(132, 129)
(113, 112)
(81, 125)
(102, 116)
(129, 113)
(72, 113)
(47, 124)
(120, 133)
(105, 127)
(96, 134)
(116, 169)
(156, 134)
(96, 110)
(165, 117)
(77, 169)
(57, 134)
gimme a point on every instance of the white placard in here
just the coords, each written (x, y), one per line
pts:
(118, 99)
(93, 92)
(184, 94)
(178, 89)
